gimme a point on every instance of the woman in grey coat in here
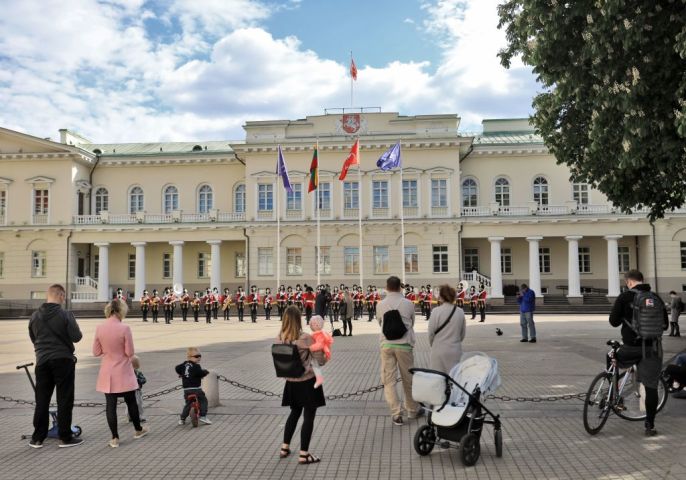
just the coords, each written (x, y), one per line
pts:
(446, 345)
(346, 312)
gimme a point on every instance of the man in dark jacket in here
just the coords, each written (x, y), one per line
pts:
(633, 348)
(53, 332)
(321, 302)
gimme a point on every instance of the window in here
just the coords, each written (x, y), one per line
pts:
(240, 265)
(351, 195)
(38, 264)
(544, 260)
(96, 266)
(502, 192)
(439, 192)
(506, 261)
(624, 260)
(380, 193)
(580, 193)
(470, 193)
(324, 260)
(351, 260)
(265, 199)
(411, 259)
(132, 266)
(294, 261)
(324, 195)
(541, 191)
(205, 199)
(294, 199)
(471, 259)
(166, 265)
(410, 193)
(440, 253)
(204, 265)
(265, 262)
(584, 260)
(171, 199)
(136, 200)
(380, 260)
(683, 255)
(3, 204)
(239, 199)
(2, 264)
(102, 200)
(40, 202)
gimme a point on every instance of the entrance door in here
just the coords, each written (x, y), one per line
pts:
(82, 267)
(81, 203)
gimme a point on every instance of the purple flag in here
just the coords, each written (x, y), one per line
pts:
(390, 158)
(282, 171)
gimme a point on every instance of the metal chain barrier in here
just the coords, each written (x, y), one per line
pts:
(552, 398)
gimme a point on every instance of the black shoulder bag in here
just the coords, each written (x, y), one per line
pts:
(287, 361)
(446, 322)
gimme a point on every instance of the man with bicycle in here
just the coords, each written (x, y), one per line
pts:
(645, 351)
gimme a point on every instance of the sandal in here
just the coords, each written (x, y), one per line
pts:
(284, 452)
(308, 459)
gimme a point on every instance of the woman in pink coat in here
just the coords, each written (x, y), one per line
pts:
(114, 343)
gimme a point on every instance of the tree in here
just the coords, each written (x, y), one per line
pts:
(613, 105)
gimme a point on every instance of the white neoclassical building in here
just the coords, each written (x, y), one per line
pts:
(492, 207)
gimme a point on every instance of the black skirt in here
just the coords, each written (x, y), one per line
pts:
(303, 394)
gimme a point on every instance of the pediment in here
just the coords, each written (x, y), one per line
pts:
(5, 181)
(40, 179)
(12, 142)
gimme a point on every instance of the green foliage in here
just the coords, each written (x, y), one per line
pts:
(613, 105)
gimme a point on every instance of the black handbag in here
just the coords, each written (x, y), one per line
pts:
(287, 361)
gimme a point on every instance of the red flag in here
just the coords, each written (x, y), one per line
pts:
(353, 69)
(353, 159)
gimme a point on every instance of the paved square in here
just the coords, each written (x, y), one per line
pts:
(354, 436)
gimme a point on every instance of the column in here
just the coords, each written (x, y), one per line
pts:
(216, 258)
(534, 265)
(612, 265)
(177, 274)
(573, 280)
(103, 271)
(140, 269)
(496, 269)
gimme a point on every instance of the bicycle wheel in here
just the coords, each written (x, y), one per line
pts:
(597, 404)
(631, 403)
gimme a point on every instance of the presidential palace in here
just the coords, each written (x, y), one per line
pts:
(492, 208)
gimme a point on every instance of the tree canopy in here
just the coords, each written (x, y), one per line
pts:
(613, 103)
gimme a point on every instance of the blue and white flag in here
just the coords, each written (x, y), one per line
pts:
(282, 171)
(390, 158)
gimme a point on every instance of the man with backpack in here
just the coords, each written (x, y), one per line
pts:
(395, 314)
(643, 317)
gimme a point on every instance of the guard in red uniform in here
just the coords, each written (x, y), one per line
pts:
(291, 296)
(208, 300)
(308, 299)
(225, 302)
(282, 300)
(473, 300)
(357, 302)
(482, 303)
(195, 305)
(428, 299)
(369, 302)
(168, 300)
(155, 305)
(185, 303)
(376, 298)
(420, 299)
(240, 303)
(299, 298)
(145, 304)
(267, 303)
(253, 302)
(461, 292)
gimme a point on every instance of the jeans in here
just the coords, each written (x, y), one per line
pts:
(111, 410)
(202, 399)
(526, 320)
(56, 373)
(394, 361)
(305, 431)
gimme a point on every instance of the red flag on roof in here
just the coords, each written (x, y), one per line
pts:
(353, 69)
(353, 159)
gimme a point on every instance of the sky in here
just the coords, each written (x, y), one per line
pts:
(184, 70)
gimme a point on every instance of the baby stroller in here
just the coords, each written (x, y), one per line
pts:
(457, 414)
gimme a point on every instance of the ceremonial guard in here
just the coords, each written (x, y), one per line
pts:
(215, 303)
(376, 298)
(473, 300)
(308, 298)
(253, 301)
(369, 299)
(482, 303)
(410, 295)
(120, 295)
(155, 306)
(225, 300)
(299, 300)
(291, 296)
(207, 302)
(267, 303)
(282, 300)
(461, 292)
(195, 305)
(428, 300)
(359, 301)
(145, 305)
(168, 300)
(420, 300)
(185, 303)
(335, 304)
(240, 303)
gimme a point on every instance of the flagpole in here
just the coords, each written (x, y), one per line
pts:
(402, 220)
(278, 236)
(319, 236)
(359, 208)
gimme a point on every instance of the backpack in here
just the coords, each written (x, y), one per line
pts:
(647, 320)
(287, 361)
(393, 327)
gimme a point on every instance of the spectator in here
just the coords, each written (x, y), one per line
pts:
(446, 332)
(675, 309)
(526, 298)
(397, 355)
(53, 332)
(346, 312)
(114, 343)
(321, 302)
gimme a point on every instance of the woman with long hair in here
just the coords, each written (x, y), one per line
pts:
(446, 332)
(299, 393)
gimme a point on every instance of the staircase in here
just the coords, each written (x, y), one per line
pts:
(85, 290)
(556, 304)
(476, 279)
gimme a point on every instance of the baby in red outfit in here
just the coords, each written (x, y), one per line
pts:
(322, 341)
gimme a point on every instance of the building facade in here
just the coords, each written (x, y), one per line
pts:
(492, 208)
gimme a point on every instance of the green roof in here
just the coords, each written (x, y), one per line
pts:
(159, 148)
(508, 138)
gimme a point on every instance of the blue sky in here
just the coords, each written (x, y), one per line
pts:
(137, 70)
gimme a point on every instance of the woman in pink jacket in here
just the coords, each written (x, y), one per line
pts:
(114, 343)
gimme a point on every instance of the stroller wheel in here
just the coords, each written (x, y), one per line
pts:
(469, 449)
(498, 434)
(76, 430)
(424, 440)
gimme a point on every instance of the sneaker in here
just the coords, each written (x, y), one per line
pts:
(398, 420)
(533, 340)
(524, 340)
(650, 430)
(114, 443)
(36, 444)
(205, 420)
(140, 433)
(72, 442)
(182, 421)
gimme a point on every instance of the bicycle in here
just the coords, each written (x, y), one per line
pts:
(195, 408)
(618, 392)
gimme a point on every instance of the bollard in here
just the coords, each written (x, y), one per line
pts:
(210, 385)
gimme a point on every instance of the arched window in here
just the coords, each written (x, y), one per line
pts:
(541, 191)
(102, 200)
(205, 199)
(470, 193)
(171, 199)
(239, 199)
(136, 200)
(502, 192)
